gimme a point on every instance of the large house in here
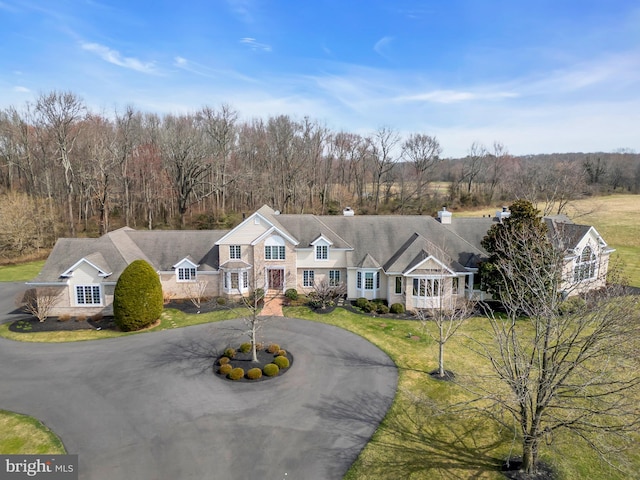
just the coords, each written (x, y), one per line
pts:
(419, 261)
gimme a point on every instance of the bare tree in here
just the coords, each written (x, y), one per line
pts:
(324, 294)
(60, 113)
(423, 152)
(39, 302)
(195, 292)
(448, 318)
(383, 154)
(575, 372)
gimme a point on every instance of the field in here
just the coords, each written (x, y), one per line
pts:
(615, 217)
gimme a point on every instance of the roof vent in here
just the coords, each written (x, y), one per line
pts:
(444, 216)
(348, 212)
(277, 212)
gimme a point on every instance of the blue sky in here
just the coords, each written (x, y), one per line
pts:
(539, 76)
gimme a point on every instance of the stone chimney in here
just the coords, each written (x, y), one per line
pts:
(348, 212)
(444, 216)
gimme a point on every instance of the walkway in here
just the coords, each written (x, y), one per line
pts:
(272, 307)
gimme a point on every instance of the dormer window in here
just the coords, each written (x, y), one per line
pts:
(322, 252)
(186, 274)
(186, 271)
(234, 252)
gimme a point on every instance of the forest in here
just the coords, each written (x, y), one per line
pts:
(68, 171)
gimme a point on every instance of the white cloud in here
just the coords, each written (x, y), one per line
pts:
(21, 89)
(454, 96)
(255, 45)
(114, 57)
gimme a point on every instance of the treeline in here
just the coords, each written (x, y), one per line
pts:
(65, 170)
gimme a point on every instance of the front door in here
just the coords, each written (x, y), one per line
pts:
(276, 278)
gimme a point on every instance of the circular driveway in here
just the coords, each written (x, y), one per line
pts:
(148, 407)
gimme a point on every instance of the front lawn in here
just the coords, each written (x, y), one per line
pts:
(20, 273)
(418, 439)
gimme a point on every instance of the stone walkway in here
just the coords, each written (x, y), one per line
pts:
(272, 307)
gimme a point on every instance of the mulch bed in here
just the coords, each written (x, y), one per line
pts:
(243, 360)
(53, 324)
(512, 471)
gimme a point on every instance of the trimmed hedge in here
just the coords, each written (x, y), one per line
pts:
(229, 352)
(245, 347)
(223, 360)
(361, 302)
(254, 373)
(225, 369)
(236, 374)
(137, 299)
(281, 362)
(282, 353)
(382, 309)
(273, 348)
(271, 370)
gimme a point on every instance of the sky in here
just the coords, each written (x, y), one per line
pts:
(539, 76)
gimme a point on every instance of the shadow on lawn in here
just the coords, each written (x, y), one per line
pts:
(417, 440)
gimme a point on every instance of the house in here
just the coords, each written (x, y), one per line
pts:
(419, 261)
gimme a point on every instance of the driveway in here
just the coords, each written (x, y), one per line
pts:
(148, 406)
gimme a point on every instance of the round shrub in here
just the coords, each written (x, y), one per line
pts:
(273, 348)
(137, 299)
(236, 374)
(259, 346)
(221, 301)
(225, 369)
(381, 308)
(223, 360)
(245, 347)
(271, 370)
(397, 308)
(229, 352)
(361, 302)
(281, 362)
(254, 373)
(291, 294)
(368, 307)
(282, 353)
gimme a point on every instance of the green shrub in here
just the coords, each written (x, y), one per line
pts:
(137, 299)
(368, 307)
(361, 302)
(273, 348)
(381, 308)
(245, 347)
(221, 301)
(291, 294)
(225, 369)
(271, 370)
(397, 308)
(380, 301)
(282, 353)
(229, 352)
(281, 362)
(572, 305)
(223, 360)
(236, 374)
(254, 373)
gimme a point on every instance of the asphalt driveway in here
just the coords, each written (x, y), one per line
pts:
(148, 406)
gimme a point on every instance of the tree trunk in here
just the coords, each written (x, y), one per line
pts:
(529, 455)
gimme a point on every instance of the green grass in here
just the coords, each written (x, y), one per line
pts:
(169, 318)
(416, 440)
(20, 273)
(21, 434)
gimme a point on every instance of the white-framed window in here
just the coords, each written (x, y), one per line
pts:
(368, 280)
(308, 278)
(236, 281)
(334, 278)
(186, 274)
(398, 289)
(274, 252)
(585, 266)
(88, 295)
(426, 287)
(322, 252)
(234, 252)
(359, 280)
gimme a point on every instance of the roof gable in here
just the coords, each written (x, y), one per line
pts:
(94, 260)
